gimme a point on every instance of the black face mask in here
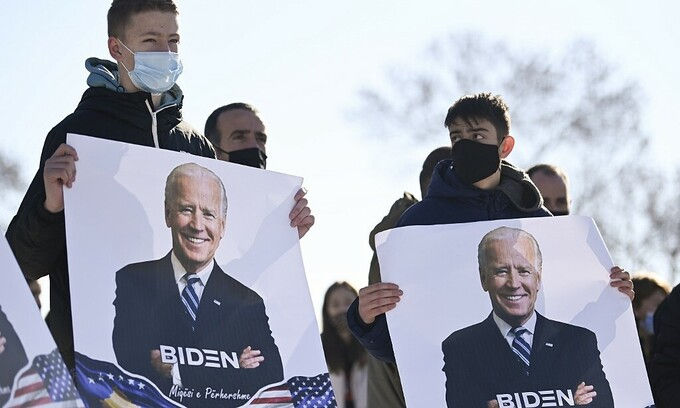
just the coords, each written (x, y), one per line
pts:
(474, 161)
(252, 157)
(558, 213)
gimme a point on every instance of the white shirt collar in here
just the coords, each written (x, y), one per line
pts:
(505, 328)
(203, 274)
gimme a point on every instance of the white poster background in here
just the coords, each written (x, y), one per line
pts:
(21, 310)
(436, 267)
(115, 216)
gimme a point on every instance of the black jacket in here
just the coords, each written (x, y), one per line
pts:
(479, 364)
(449, 201)
(37, 236)
(664, 368)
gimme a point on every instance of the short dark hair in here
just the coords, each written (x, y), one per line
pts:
(481, 106)
(120, 12)
(549, 170)
(646, 284)
(435, 156)
(210, 131)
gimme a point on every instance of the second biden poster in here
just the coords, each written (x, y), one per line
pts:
(511, 314)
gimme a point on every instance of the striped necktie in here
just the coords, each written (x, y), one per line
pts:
(190, 298)
(521, 348)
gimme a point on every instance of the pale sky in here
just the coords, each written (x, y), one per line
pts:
(301, 64)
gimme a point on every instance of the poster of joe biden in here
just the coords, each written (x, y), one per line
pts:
(510, 314)
(32, 371)
(187, 281)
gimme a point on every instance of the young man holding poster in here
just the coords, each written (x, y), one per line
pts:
(133, 100)
(476, 185)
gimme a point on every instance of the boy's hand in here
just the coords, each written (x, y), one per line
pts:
(377, 299)
(60, 171)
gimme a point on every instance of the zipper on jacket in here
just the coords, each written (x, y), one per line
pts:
(154, 122)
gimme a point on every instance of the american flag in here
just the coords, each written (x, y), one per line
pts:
(298, 392)
(46, 384)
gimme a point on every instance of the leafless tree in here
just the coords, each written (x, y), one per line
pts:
(571, 108)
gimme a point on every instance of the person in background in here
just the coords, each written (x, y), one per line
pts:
(650, 291)
(345, 356)
(36, 290)
(664, 366)
(553, 184)
(384, 384)
(239, 136)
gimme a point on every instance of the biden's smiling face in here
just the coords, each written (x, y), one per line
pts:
(512, 278)
(195, 218)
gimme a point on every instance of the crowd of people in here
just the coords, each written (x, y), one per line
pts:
(135, 99)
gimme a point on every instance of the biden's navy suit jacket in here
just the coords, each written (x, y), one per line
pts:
(231, 317)
(479, 363)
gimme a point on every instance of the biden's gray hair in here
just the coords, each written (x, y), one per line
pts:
(192, 170)
(512, 234)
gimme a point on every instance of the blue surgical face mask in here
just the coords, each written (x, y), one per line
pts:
(648, 323)
(155, 72)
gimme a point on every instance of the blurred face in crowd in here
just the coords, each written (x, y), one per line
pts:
(512, 278)
(239, 129)
(554, 191)
(338, 303)
(649, 304)
(194, 215)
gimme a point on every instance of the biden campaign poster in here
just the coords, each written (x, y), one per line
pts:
(511, 314)
(187, 283)
(32, 372)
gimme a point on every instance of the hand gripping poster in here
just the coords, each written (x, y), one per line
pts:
(187, 283)
(511, 314)
(32, 373)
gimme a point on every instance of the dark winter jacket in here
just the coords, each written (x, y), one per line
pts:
(105, 111)
(450, 201)
(664, 369)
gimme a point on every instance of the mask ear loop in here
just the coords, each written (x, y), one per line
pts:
(131, 52)
(500, 143)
